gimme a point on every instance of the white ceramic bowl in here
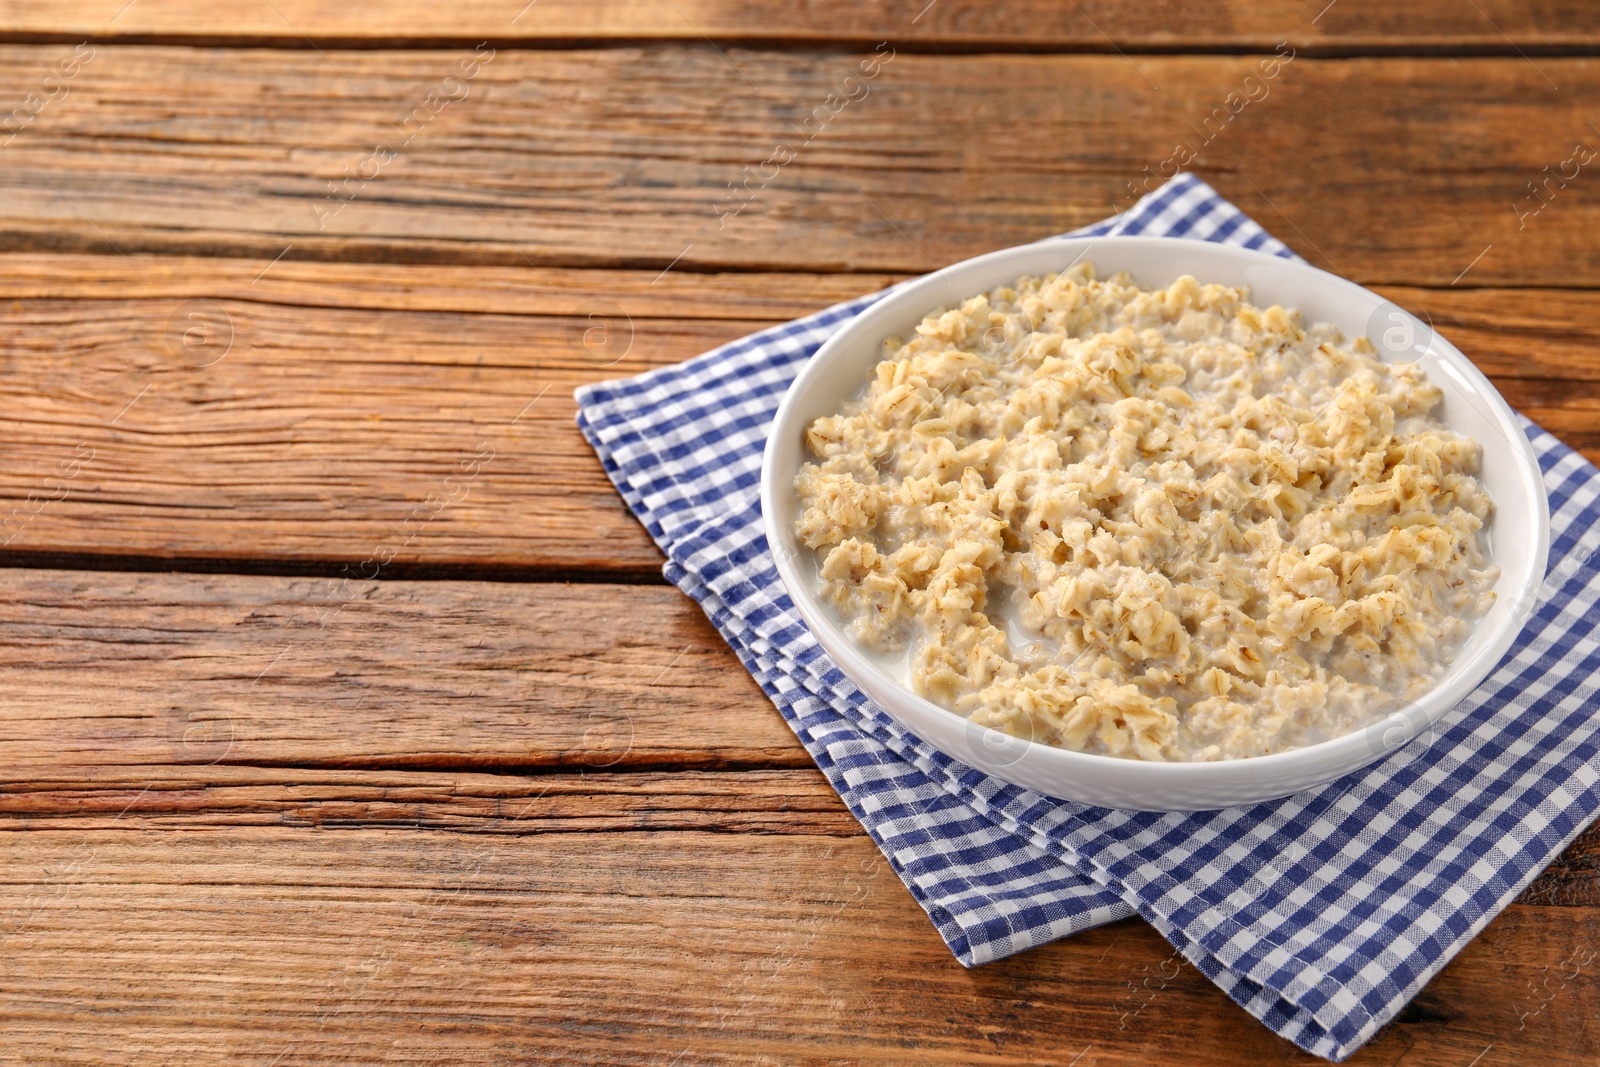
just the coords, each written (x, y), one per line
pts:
(1519, 533)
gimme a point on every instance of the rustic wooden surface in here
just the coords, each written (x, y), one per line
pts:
(514, 800)
(552, 156)
(1502, 26)
(299, 446)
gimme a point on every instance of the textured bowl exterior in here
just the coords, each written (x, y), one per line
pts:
(1519, 532)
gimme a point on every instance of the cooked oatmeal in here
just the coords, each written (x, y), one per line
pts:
(1155, 523)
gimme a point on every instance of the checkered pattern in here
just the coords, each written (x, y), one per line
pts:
(1321, 914)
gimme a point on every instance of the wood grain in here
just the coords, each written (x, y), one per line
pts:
(514, 290)
(205, 669)
(1032, 24)
(351, 393)
(623, 157)
(191, 797)
(183, 702)
(406, 946)
(320, 433)
(187, 796)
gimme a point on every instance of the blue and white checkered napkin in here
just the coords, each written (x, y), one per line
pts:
(1321, 914)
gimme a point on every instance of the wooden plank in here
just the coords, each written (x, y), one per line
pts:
(103, 670)
(191, 797)
(388, 437)
(1031, 24)
(183, 702)
(493, 355)
(351, 393)
(624, 156)
(255, 944)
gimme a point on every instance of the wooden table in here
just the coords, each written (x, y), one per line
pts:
(346, 716)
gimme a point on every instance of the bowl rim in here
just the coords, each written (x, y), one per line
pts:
(1459, 680)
